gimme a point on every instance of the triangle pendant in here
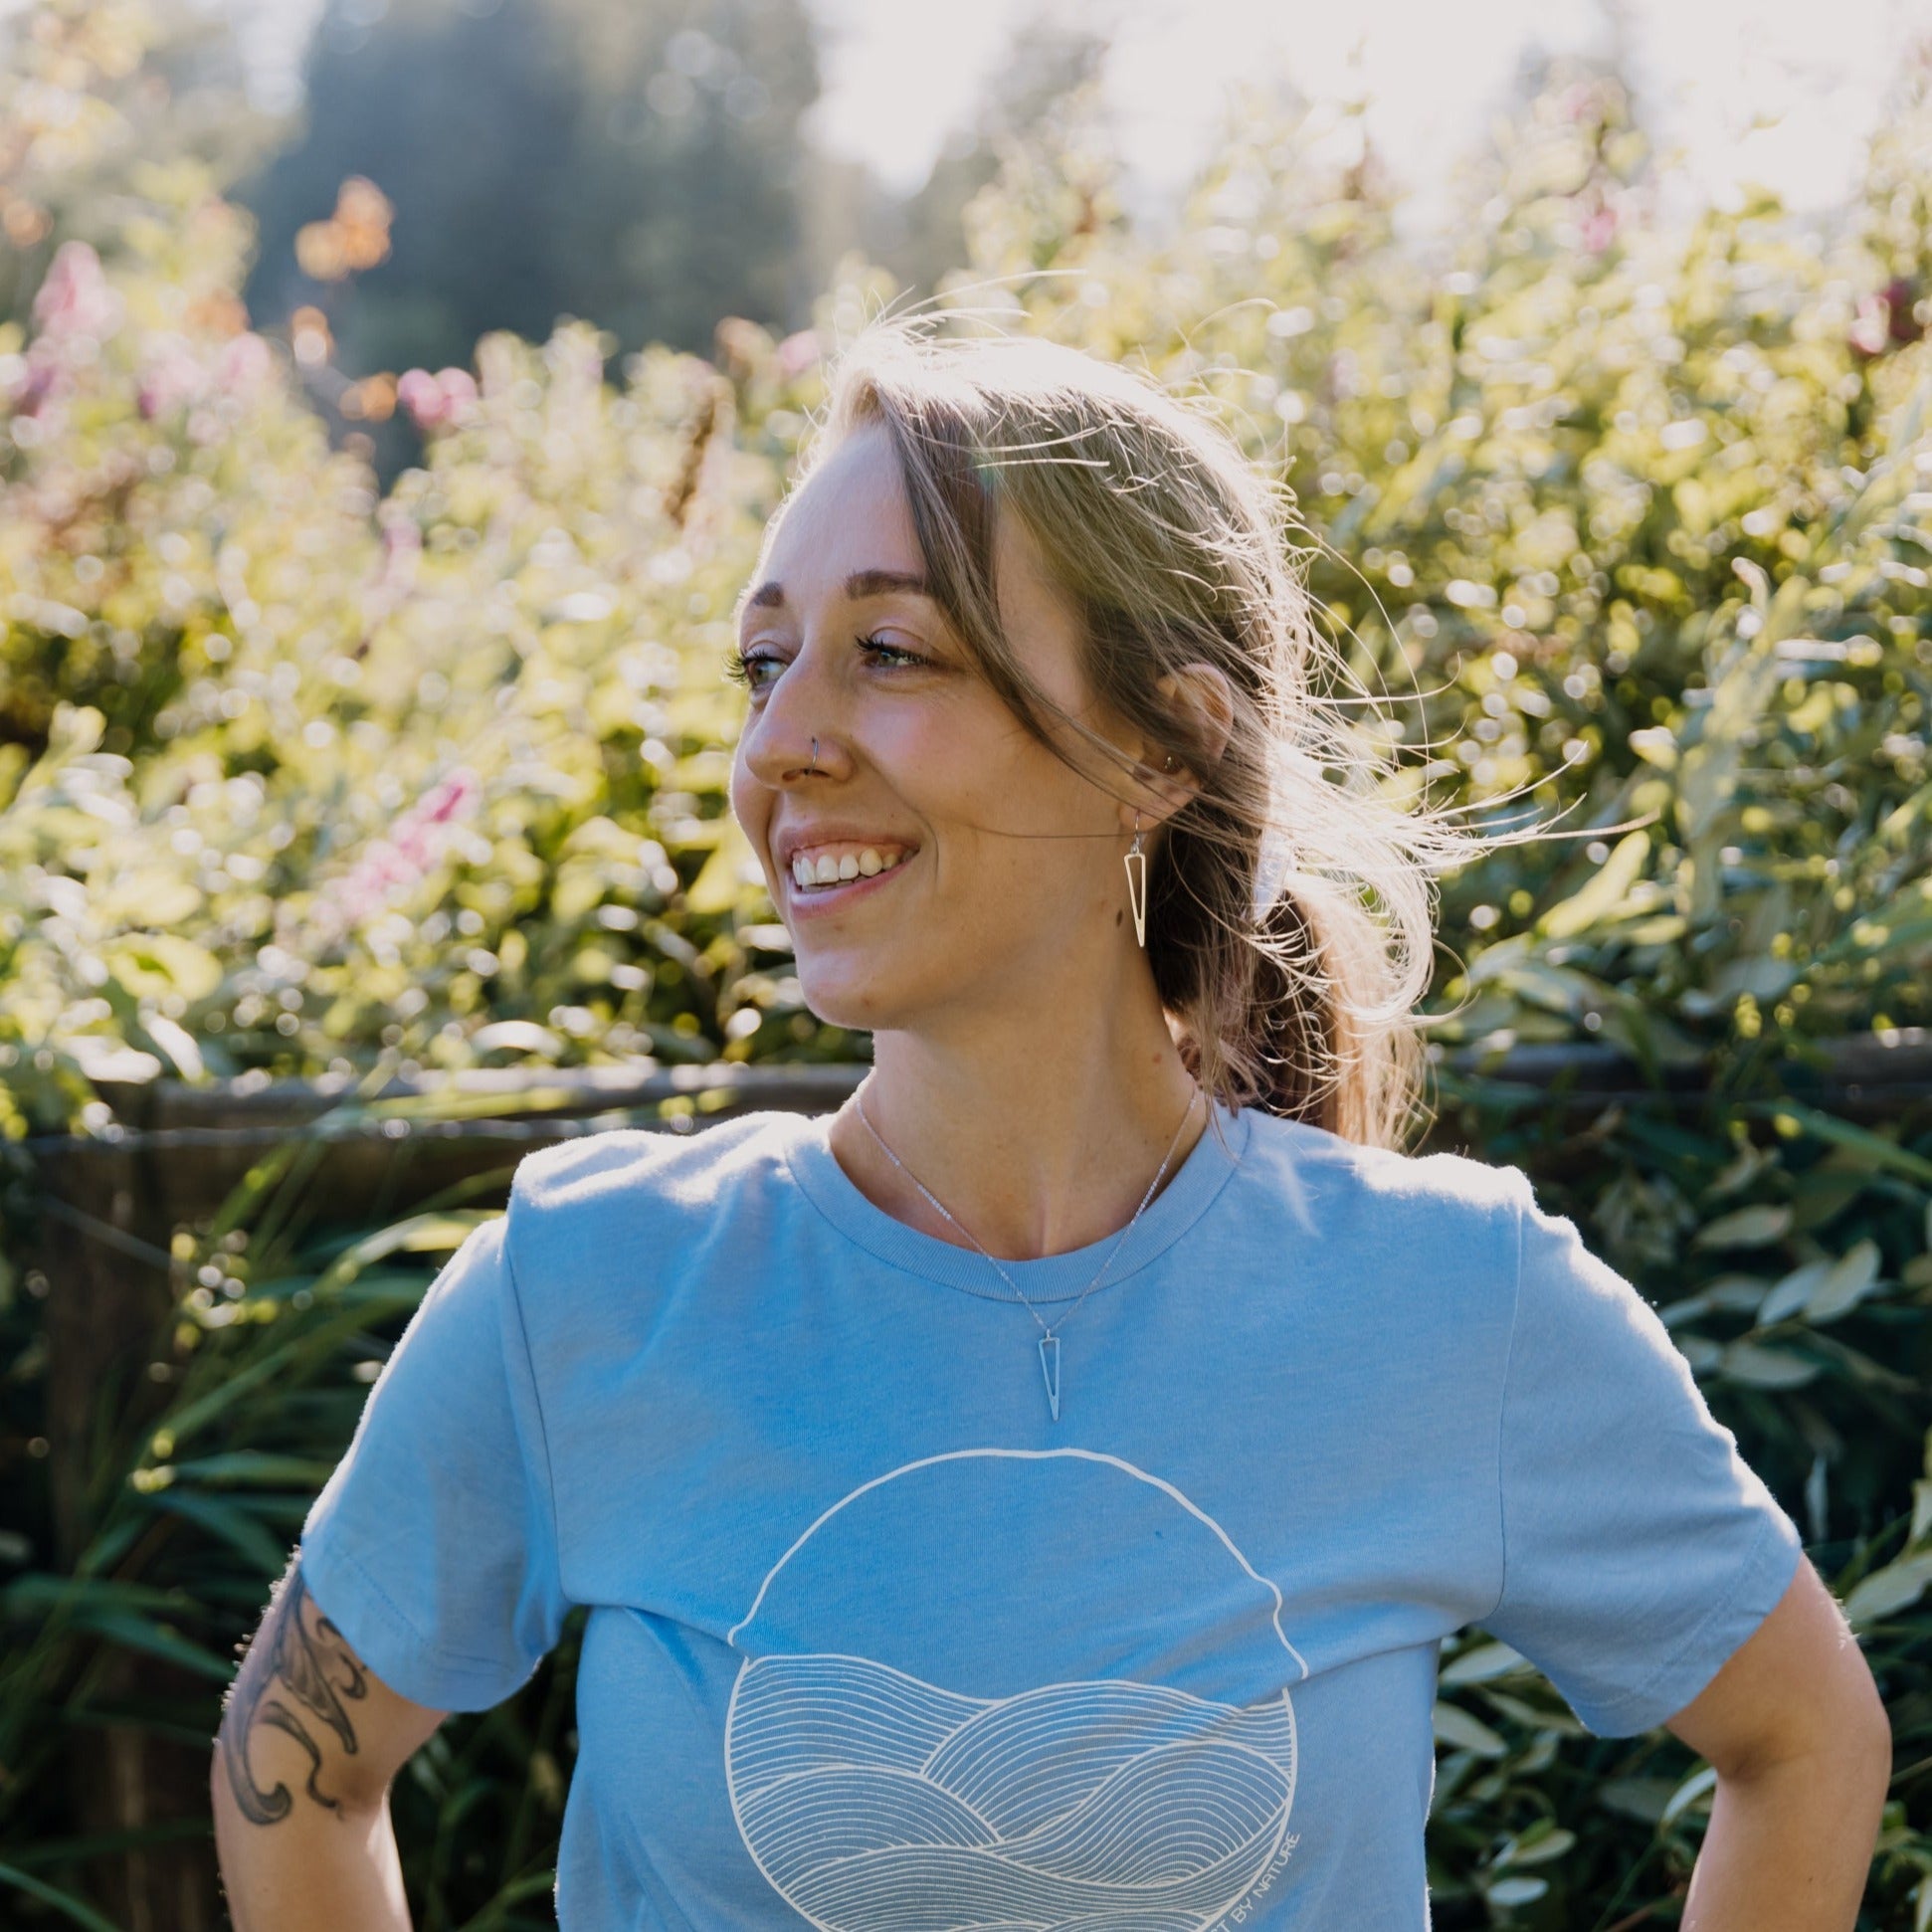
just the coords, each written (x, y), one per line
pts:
(1049, 1368)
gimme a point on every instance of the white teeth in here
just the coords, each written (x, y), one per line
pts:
(828, 870)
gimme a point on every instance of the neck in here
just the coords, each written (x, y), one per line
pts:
(1038, 1138)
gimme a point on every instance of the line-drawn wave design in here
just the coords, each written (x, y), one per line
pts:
(876, 1803)
(816, 1710)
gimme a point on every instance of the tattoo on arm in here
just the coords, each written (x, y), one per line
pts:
(284, 1683)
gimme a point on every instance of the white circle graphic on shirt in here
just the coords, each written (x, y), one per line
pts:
(1011, 1688)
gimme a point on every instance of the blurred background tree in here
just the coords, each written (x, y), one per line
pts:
(639, 165)
(631, 161)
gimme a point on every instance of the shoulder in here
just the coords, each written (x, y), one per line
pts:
(592, 1221)
(1386, 1179)
(640, 1165)
(615, 1191)
(1442, 1226)
(1417, 1255)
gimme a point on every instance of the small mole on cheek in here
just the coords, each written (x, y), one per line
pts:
(1118, 917)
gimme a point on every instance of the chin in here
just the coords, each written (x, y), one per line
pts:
(855, 995)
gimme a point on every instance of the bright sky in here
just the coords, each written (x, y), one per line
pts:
(1783, 92)
(1780, 90)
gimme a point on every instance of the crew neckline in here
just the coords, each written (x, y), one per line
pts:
(1048, 1277)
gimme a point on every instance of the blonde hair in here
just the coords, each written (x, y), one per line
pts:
(1297, 994)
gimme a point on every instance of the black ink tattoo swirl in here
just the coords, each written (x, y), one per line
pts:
(286, 1657)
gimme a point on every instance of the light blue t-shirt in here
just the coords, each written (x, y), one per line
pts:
(875, 1645)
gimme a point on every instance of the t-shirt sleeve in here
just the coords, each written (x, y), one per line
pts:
(1638, 1548)
(433, 1547)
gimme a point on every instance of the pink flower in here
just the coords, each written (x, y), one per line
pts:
(46, 382)
(1598, 229)
(451, 796)
(433, 400)
(459, 388)
(172, 379)
(390, 866)
(75, 299)
(1870, 329)
(1581, 101)
(402, 554)
(797, 353)
(421, 394)
(246, 363)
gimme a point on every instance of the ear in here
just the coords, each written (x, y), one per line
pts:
(1203, 691)
(1204, 700)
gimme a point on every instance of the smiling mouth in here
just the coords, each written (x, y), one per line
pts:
(833, 887)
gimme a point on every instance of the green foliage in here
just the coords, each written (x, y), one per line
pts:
(294, 783)
(100, 100)
(210, 1497)
(1631, 526)
(1645, 525)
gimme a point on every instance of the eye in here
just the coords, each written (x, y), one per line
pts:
(891, 650)
(740, 667)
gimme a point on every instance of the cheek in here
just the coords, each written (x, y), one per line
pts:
(974, 754)
(748, 804)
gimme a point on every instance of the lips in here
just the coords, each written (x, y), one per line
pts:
(817, 898)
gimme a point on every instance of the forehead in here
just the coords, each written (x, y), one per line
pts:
(848, 533)
(854, 500)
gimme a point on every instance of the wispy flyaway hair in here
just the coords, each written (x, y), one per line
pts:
(1290, 902)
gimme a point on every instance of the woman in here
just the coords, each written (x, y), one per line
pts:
(1035, 1495)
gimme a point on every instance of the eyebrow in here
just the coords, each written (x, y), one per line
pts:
(859, 585)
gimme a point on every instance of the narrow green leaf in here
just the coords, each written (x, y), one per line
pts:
(1792, 1292)
(1543, 1841)
(1898, 1586)
(1457, 1729)
(64, 1902)
(226, 1519)
(1755, 1227)
(1516, 1892)
(1881, 1152)
(1602, 894)
(1849, 1280)
(1765, 1368)
(1479, 1665)
(1699, 1784)
(137, 1634)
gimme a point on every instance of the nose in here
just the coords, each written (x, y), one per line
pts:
(794, 733)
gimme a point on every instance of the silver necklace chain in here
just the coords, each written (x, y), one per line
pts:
(1048, 1336)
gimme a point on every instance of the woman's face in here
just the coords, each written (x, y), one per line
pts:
(1010, 895)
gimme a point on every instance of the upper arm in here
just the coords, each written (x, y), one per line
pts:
(1640, 1550)
(1799, 1685)
(306, 1722)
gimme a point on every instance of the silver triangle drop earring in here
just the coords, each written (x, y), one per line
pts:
(1136, 865)
(1135, 862)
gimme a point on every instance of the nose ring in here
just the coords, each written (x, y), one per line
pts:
(814, 765)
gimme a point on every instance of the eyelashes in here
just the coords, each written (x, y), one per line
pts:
(742, 666)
